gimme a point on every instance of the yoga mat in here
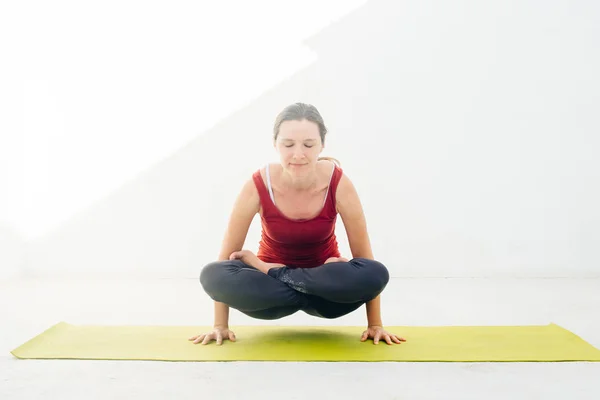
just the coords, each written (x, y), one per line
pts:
(310, 343)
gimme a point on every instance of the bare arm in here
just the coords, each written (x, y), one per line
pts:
(245, 208)
(351, 211)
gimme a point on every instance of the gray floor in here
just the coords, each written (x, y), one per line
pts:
(27, 307)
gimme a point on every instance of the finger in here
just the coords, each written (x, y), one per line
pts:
(387, 338)
(395, 339)
(219, 339)
(364, 336)
(207, 339)
(400, 339)
(193, 338)
(198, 339)
(232, 336)
(376, 338)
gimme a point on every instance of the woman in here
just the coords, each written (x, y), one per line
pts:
(298, 265)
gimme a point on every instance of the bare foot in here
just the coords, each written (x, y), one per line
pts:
(336, 259)
(249, 258)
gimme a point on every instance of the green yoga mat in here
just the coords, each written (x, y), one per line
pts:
(310, 343)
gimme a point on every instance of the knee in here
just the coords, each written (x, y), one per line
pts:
(373, 274)
(211, 275)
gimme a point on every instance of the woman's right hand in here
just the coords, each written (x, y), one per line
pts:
(218, 333)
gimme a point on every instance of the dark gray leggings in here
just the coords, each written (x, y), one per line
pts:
(327, 291)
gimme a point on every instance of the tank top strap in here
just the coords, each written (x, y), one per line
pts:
(268, 173)
(263, 193)
(329, 184)
(330, 200)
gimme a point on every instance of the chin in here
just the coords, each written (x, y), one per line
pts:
(298, 168)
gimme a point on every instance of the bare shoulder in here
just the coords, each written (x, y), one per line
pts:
(349, 207)
(273, 169)
(346, 196)
(325, 169)
(248, 197)
(345, 184)
(245, 208)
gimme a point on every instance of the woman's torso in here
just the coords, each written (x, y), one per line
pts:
(298, 227)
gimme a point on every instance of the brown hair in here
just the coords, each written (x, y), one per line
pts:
(299, 112)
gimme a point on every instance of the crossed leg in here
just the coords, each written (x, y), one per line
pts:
(327, 291)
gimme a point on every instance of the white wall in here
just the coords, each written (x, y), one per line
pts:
(468, 127)
(12, 243)
(12, 254)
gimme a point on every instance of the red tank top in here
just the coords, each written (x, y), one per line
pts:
(298, 243)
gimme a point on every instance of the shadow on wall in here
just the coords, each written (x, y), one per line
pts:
(170, 220)
(12, 252)
(425, 102)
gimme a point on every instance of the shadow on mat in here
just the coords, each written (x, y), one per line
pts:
(317, 335)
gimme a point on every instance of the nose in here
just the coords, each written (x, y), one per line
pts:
(298, 153)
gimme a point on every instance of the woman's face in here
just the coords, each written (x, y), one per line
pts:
(299, 145)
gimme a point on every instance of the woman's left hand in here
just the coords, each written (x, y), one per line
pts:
(378, 333)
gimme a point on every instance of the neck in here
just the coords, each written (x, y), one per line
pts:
(299, 183)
